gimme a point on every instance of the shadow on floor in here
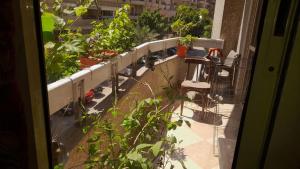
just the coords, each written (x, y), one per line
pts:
(207, 117)
(178, 154)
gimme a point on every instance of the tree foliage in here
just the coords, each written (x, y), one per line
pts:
(195, 22)
(145, 34)
(154, 21)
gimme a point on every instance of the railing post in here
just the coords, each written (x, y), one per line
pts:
(114, 79)
(134, 64)
(165, 52)
(78, 98)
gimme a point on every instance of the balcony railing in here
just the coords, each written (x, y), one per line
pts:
(68, 90)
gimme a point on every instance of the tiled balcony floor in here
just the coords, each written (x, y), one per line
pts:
(198, 149)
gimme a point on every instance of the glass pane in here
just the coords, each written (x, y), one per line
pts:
(145, 85)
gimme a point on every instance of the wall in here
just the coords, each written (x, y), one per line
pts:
(218, 17)
(172, 67)
(232, 16)
(247, 45)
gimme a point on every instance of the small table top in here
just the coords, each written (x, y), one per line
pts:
(197, 53)
(200, 54)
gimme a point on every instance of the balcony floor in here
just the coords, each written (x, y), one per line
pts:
(198, 141)
(210, 142)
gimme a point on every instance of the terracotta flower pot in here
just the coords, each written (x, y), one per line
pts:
(181, 51)
(89, 61)
(108, 53)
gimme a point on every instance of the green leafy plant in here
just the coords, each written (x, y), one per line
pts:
(119, 35)
(186, 40)
(59, 166)
(181, 28)
(62, 45)
(61, 56)
(142, 142)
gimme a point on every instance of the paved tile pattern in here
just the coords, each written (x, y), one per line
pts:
(200, 150)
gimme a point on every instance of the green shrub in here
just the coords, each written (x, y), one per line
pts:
(118, 35)
(62, 46)
(142, 142)
(61, 56)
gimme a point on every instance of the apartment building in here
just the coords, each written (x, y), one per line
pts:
(105, 8)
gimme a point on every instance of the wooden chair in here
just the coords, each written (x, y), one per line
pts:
(196, 85)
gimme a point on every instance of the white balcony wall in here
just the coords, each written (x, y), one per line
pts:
(64, 91)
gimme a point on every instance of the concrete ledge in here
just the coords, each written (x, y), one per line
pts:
(64, 91)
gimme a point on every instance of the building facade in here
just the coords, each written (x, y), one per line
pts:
(105, 9)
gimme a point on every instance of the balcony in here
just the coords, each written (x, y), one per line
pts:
(213, 134)
(130, 83)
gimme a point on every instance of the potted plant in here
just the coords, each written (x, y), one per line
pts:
(89, 60)
(96, 48)
(107, 40)
(95, 57)
(182, 30)
(183, 45)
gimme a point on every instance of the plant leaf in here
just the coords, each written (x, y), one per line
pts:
(80, 10)
(156, 148)
(135, 156)
(188, 123)
(142, 146)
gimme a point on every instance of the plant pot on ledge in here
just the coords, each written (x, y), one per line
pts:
(90, 60)
(108, 54)
(183, 45)
(181, 51)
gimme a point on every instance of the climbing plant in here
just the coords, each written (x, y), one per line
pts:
(142, 142)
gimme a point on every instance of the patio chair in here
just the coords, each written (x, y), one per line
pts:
(225, 72)
(198, 84)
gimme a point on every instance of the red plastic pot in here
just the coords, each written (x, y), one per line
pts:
(215, 52)
(181, 51)
(89, 96)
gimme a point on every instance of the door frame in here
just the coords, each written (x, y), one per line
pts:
(258, 110)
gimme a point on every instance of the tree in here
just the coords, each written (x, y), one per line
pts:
(154, 21)
(196, 22)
